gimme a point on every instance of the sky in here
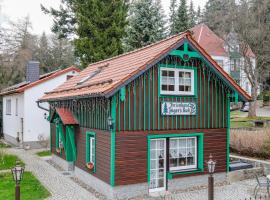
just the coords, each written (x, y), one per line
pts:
(16, 9)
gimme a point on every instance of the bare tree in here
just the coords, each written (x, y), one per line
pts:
(253, 28)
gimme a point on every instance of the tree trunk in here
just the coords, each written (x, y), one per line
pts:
(252, 104)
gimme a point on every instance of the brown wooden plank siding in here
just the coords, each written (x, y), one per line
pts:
(142, 103)
(103, 152)
(131, 153)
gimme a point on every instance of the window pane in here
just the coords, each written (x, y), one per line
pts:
(182, 154)
(171, 87)
(187, 74)
(164, 73)
(171, 73)
(187, 88)
(181, 88)
(187, 81)
(181, 74)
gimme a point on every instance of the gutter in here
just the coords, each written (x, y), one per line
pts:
(38, 104)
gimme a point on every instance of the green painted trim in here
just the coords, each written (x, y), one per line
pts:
(171, 174)
(134, 107)
(153, 99)
(208, 109)
(149, 98)
(124, 112)
(212, 102)
(119, 111)
(113, 113)
(195, 95)
(144, 101)
(88, 135)
(204, 102)
(158, 99)
(228, 131)
(200, 153)
(123, 93)
(129, 121)
(140, 103)
(71, 151)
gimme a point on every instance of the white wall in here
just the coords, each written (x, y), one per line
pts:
(34, 122)
(12, 123)
(226, 62)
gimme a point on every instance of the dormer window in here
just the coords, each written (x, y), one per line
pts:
(175, 81)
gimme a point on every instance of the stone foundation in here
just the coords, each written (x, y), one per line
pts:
(129, 191)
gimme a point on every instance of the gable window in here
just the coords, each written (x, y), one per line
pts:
(177, 81)
(8, 107)
(91, 149)
(183, 153)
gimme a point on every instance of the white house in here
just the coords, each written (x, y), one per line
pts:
(23, 121)
(224, 52)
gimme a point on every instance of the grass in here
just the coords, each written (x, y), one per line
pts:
(238, 120)
(3, 145)
(44, 153)
(31, 188)
(8, 161)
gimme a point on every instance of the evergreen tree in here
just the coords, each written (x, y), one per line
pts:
(219, 14)
(182, 22)
(146, 24)
(192, 15)
(98, 25)
(173, 17)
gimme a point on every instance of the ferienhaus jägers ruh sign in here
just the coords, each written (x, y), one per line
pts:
(178, 108)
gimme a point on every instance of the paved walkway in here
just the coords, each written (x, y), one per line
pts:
(60, 186)
(63, 188)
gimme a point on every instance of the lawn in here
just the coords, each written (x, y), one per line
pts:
(3, 145)
(238, 120)
(31, 188)
(8, 161)
(44, 153)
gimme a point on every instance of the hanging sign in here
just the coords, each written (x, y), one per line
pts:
(178, 108)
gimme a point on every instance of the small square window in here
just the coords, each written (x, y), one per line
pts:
(175, 81)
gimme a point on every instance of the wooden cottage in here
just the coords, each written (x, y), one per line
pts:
(146, 120)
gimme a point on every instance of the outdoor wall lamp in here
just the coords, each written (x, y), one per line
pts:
(17, 173)
(45, 115)
(211, 164)
(110, 123)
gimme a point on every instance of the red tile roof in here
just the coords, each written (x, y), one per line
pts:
(112, 73)
(211, 42)
(66, 116)
(21, 87)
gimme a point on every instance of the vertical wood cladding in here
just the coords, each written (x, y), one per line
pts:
(131, 153)
(141, 109)
(103, 152)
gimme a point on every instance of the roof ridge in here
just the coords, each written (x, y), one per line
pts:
(136, 50)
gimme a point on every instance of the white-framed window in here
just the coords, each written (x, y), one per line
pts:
(176, 81)
(8, 107)
(92, 150)
(16, 107)
(183, 153)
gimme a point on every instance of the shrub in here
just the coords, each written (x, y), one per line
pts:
(251, 142)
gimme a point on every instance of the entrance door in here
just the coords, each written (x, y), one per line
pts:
(157, 165)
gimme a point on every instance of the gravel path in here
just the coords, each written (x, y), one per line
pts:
(60, 186)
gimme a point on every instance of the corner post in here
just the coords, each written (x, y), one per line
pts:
(113, 115)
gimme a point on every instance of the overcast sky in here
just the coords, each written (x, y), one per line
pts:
(15, 9)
